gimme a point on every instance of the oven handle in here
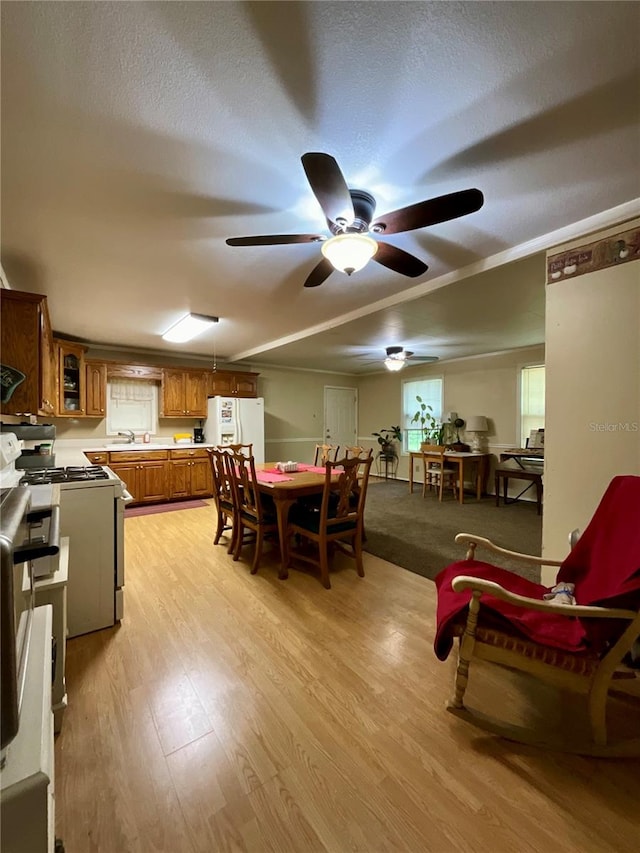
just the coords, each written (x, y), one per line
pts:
(126, 497)
(35, 550)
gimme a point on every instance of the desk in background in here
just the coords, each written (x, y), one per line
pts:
(480, 460)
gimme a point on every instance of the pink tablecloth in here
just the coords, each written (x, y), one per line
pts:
(271, 476)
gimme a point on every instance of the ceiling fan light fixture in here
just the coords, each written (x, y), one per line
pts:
(188, 327)
(349, 252)
(394, 364)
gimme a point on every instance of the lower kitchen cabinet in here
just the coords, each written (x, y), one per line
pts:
(147, 480)
(190, 474)
(152, 476)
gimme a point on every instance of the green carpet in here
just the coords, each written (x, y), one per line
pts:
(418, 533)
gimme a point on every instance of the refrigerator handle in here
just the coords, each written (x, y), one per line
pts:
(240, 437)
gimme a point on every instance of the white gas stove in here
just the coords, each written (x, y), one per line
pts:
(92, 501)
(73, 476)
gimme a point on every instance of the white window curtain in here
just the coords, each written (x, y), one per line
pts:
(532, 388)
(131, 390)
(430, 390)
(132, 404)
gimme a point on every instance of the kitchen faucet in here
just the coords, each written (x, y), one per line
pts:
(129, 433)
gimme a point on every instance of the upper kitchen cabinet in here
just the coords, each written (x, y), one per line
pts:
(71, 397)
(28, 377)
(232, 383)
(96, 385)
(184, 393)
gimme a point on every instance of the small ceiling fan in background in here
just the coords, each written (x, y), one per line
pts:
(397, 357)
(350, 218)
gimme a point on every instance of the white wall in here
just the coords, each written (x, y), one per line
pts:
(592, 390)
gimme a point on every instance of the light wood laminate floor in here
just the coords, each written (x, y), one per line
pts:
(232, 712)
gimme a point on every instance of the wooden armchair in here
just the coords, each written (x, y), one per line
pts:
(500, 617)
(338, 521)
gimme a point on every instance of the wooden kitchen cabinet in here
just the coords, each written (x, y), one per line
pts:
(71, 384)
(231, 383)
(96, 388)
(145, 473)
(190, 473)
(184, 393)
(27, 345)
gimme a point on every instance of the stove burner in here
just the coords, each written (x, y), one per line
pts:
(71, 474)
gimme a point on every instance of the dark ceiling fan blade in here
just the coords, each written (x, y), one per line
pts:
(399, 261)
(429, 212)
(275, 239)
(329, 186)
(319, 273)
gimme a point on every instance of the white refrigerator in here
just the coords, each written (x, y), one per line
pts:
(233, 420)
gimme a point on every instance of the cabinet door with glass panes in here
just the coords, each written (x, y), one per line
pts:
(71, 380)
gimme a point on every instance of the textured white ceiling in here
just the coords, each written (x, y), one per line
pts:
(136, 137)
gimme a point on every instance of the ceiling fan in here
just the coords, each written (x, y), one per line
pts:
(397, 357)
(350, 217)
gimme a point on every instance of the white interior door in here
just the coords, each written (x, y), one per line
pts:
(340, 416)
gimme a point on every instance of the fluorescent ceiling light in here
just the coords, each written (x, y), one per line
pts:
(189, 327)
(349, 252)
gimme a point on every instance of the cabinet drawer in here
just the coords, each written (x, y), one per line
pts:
(188, 453)
(98, 458)
(139, 455)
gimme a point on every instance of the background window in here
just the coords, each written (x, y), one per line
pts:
(132, 404)
(531, 401)
(431, 392)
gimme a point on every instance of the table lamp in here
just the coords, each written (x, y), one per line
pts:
(476, 424)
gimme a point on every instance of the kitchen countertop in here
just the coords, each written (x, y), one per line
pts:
(116, 448)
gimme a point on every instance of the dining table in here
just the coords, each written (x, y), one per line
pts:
(285, 488)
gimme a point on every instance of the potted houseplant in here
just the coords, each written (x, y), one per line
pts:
(387, 438)
(431, 430)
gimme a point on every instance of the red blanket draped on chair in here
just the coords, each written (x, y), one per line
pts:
(604, 566)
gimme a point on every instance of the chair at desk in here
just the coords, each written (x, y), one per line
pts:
(436, 471)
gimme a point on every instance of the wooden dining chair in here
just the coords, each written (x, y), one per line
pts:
(350, 452)
(222, 497)
(253, 512)
(336, 522)
(247, 449)
(436, 472)
(325, 453)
